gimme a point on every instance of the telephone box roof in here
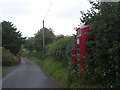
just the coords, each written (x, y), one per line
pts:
(83, 27)
(86, 26)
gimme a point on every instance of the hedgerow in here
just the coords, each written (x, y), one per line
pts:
(60, 49)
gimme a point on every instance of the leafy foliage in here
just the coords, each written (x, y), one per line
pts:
(8, 59)
(11, 38)
(104, 66)
(35, 44)
(59, 37)
(61, 49)
(29, 43)
(49, 38)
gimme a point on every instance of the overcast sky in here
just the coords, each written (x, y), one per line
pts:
(27, 15)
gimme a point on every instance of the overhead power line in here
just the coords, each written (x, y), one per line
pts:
(43, 27)
(48, 10)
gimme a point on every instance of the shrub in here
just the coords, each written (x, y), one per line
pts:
(61, 49)
(7, 58)
(24, 53)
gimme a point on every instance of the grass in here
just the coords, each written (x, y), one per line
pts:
(59, 74)
(53, 69)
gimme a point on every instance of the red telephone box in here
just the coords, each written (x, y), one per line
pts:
(82, 48)
(73, 55)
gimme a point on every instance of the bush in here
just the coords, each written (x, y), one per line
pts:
(24, 53)
(104, 65)
(7, 58)
(61, 49)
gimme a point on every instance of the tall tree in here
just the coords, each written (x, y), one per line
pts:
(30, 43)
(11, 38)
(49, 38)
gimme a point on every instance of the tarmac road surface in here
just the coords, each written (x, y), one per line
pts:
(28, 75)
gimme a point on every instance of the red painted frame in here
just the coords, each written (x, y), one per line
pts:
(80, 51)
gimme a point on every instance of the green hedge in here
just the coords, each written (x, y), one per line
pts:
(61, 49)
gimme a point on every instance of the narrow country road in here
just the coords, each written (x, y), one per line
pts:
(28, 75)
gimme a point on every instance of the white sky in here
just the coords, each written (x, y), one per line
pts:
(27, 15)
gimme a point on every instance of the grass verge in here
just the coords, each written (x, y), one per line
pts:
(59, 74)
(54, 70)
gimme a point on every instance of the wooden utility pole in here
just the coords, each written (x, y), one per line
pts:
(43, 38)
